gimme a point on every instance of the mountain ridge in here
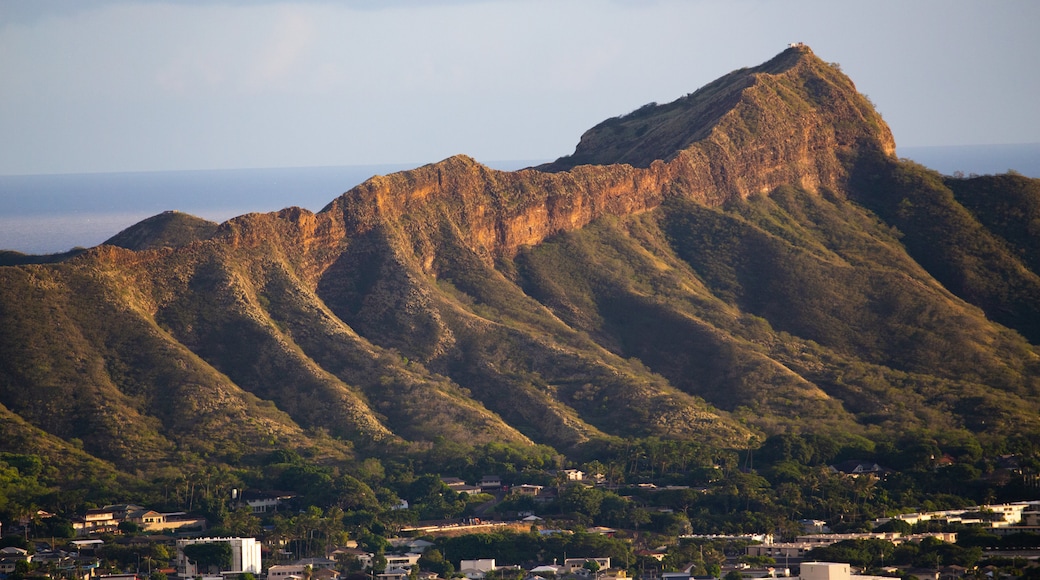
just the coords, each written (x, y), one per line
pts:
(728, 272)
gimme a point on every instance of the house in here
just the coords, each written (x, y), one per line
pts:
(324, 574)
(528, 489)
(814, 526)
(419, 546)
(573, 474)
(56, 557)
(459, 486)
(87, 545)
(364, 558)
(10, 557)
(15, 553)
(476, 569)
(95, 521)
(779, 550)
(490, 482)
(856, 468)
(298, 570)
(262, 502)
(657, 553)
(179, 521)
(317, 563)
(574, 564)
(405, 561)
(108, 518)
(484, 565)
(285, 572)
(609, 532)
(830, 571)
(394, 574)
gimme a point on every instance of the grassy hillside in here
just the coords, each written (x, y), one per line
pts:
(170, 229)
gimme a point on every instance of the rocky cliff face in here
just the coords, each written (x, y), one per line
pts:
(704, 269)
(792, 120)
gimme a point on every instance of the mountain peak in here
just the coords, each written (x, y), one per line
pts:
(170, 229)
(793, 120)
(793, 93)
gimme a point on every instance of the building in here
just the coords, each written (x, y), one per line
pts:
(801, 546)
(404, 562)
(573, 474)
(459, 486)
(781, 550)
(108, 518)
(245, 556)
(364, 558)
(484, 564)
(317, 563)
(856, 468)
(262, 502)
(828, 539)
(103, 520)
(574, 564)
(831, 571)
(993, 515)
(490, 482)
(528, 489)
(394, 574)
(285, 572)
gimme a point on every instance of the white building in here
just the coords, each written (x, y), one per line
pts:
(404, 562)
(830, 571)
(476, 569)
(575, 564)
(245, 555)
(484, 564)
(285, 572)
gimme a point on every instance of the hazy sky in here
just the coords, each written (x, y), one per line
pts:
(92, 86)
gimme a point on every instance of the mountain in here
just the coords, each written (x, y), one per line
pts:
(170, 229)
(750, 259)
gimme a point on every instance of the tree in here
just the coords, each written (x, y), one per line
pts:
(591, 566)
(433, 561)
(732, 575)
(209, 555)
(241, 522)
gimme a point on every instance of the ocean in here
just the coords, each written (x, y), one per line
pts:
(42, 214)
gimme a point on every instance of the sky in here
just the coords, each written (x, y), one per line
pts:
(112, 86)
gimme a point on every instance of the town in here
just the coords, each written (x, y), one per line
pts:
(511, 532)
